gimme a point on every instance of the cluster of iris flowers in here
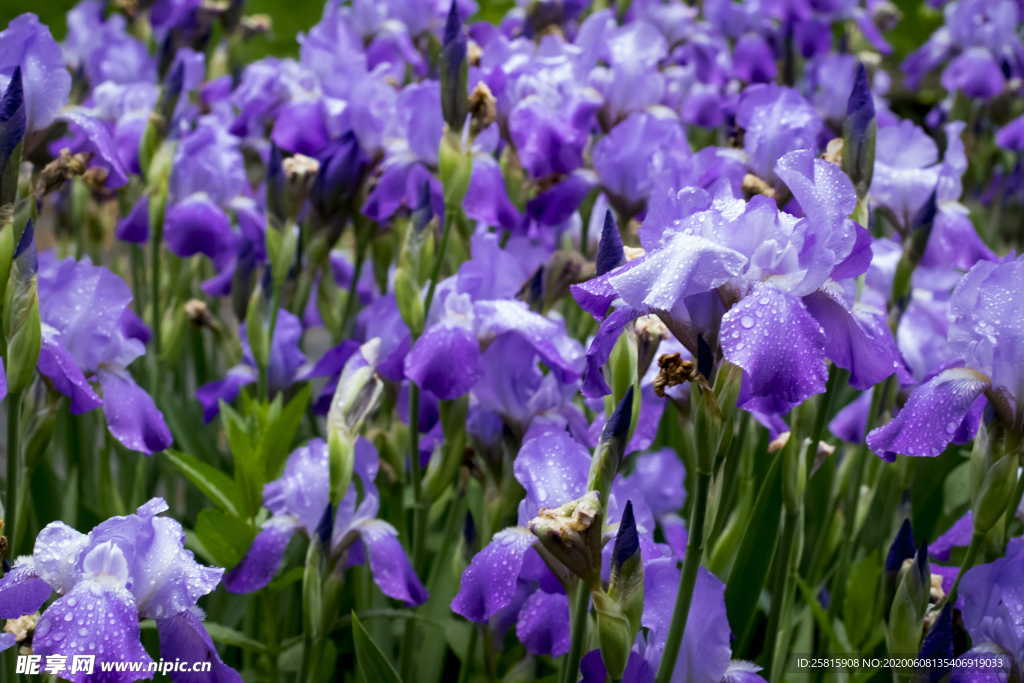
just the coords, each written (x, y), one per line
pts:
(553, 340)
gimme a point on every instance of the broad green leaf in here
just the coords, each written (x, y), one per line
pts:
(279, 432)
(229, 636)
(219, 488)
(373, 665)
(225, 538)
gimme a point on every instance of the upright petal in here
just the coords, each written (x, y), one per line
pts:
(552, 467)
(932, 415)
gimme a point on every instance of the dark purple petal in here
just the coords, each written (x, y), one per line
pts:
(487, 199)
(780, 347)
(198, 226)
(184, 638)
(555, 206)
(489, 582)
(98, 141)
(301, 128)
(261, 562)
(543, 625)
(975, 73)
(1011, 136)
(932, 415)
(445, 361)
(22, 591)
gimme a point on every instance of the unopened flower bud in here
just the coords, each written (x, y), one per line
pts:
(610, 254)
(13, 123)
(906, 615)
(612, 447)
(859, 132)
(454, 66)
(342, 168)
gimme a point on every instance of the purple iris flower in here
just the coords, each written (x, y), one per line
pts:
(469, 313)
(786, 281)
(299, 499)
(978, 44)
(126, 569)
(103, 48)
(87, 341)
(992, 603)
(986, 334)
(46, 83)
(284, 361)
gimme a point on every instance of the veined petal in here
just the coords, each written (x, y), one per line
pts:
(780, 347)
(932, 415)
(445, 361)
(61, 369)
(183, 637)
(390, 566)
(132, 417)
(22, 591)
(552, 467)
(71, 626)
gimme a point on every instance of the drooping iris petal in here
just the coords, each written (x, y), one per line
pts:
(70, 626)
(558, 350)
(932, 415)
(97, 140)
(67, 378)
(780, 347)
(660, 476)
(487, 199)
(858, 338)
(975, 73)
(489, 582)
(390, 566)
(198, 226)
(135, 226)
(22, 591)
(957, 536)
(993, 601)
(543, 624)
(444, 361)
(263, 558)
(132, 417)
(184, 638)
(211, 394)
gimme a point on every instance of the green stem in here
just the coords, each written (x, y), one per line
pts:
(972, 554)
(580, 612)
(13, 461)
(353, 286)
(688, 578)
(467, 663)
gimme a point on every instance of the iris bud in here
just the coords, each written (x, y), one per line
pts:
(993, 477)
(341, 171)
(454, 67)
(908, 607)
(859, 132)
(22, 322)
(455, 167)
(13, 124)
(611, 448)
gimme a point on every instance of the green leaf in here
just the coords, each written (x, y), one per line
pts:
(279, 432)
(225, 537)
(750, 570)
(219, 488)
(229, 636)
(373, 665)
